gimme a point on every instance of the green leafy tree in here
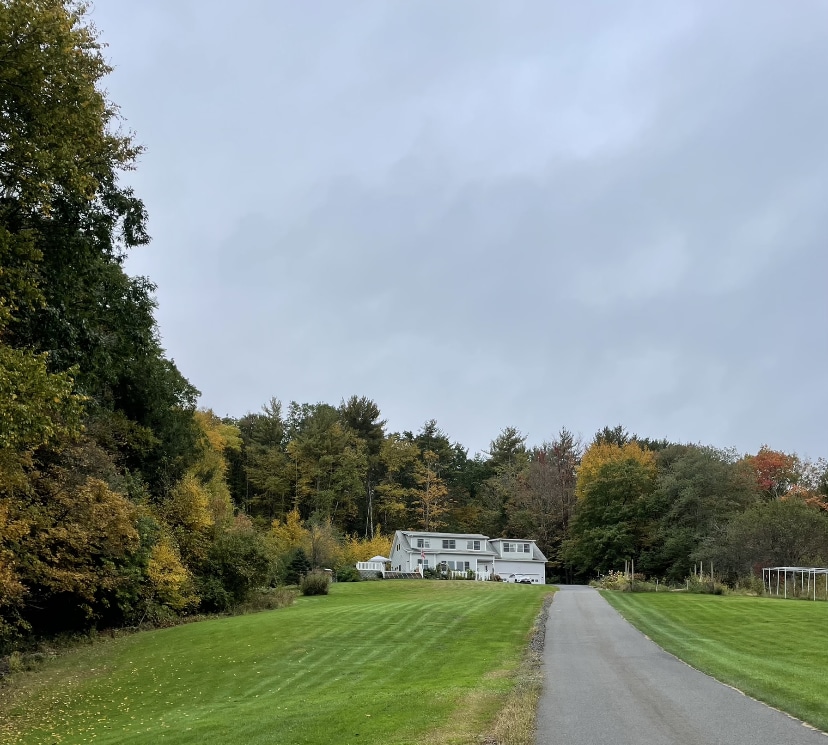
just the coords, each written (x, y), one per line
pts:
(397, 490)
(238, 562)
(609, 522)
(699, 488)
(263, 476)
(330, 464)
(508, 457)
(545, 499)
(362, 415)
(778, 533)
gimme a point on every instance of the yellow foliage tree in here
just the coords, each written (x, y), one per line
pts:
(201, 500)
(362, 549)
(210, 469)
(600, 454)
(171, 582)
(290, 534)
(78, 536)
(12, 590)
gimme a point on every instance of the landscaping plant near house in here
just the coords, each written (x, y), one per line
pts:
(316, 582)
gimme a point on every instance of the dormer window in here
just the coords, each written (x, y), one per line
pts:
(449, 543)
(517, 548)
(472, 545)
(423, 543)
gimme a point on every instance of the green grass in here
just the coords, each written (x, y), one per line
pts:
(373, 662)
(773, 650)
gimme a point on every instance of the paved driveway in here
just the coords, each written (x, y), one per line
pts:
(607, 684)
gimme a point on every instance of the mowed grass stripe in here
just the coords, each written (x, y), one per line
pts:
(374, 662)
(773, 650)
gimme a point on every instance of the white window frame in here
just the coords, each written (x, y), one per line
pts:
(449, 543)
(472, 545)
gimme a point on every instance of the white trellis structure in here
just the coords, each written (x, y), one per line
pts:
(776, 580)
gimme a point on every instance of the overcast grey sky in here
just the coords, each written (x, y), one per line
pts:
(537, 214)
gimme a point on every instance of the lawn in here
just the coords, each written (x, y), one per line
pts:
(374, 662)
(773, 650)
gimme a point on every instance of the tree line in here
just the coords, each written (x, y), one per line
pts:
(121, 502)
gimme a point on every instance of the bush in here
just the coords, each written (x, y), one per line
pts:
(621, 581)
(705, 586)
(214, 597)
(270, 599)
(316, 582)
(348, 574)
(749, 585)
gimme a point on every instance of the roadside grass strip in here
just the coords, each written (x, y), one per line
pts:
(373, 662)
(773, 650)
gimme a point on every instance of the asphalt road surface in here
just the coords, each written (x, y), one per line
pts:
(607, 684)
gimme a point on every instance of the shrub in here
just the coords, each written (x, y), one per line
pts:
(621, 581)
(750, 585)
(348, 574)
(214, 597)
(705, 586)
(270, 599)
(316, 582)
(15, 662)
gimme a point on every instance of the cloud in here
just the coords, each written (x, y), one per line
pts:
(530, 214)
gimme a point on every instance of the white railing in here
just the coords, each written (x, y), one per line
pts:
(371, 566)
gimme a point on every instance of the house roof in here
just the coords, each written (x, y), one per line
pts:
(407, 545)
(434, 534)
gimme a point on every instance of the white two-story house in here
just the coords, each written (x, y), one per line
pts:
(510, 558)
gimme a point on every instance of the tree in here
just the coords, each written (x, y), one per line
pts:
(778, 533)
(330, 463)
(508, 449)
(297, 567)
(432, 493)
(238, 562)
(545, 499)
(776, 472)
(608, 525)
(397, 490)
(600, 453)
(65, 227)
(699, 488)
(263, 477)
(362, 415)
(617, 435)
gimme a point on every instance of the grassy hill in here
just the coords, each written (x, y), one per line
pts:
(373, 662)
